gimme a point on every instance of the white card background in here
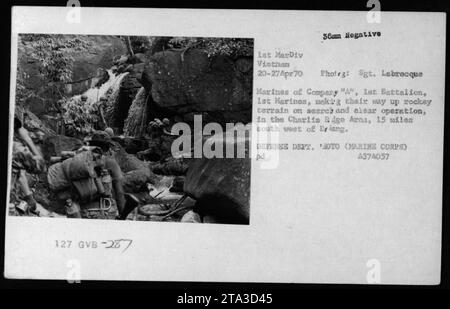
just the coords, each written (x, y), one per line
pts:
(319, 217)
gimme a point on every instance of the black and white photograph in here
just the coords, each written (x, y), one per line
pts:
(93, 128)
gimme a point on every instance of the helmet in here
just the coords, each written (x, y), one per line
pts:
(110, 131)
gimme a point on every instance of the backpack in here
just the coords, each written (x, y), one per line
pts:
(76, 174)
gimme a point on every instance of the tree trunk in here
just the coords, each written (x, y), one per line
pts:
(102, 116)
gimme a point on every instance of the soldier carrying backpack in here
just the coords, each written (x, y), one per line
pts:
(91, 182)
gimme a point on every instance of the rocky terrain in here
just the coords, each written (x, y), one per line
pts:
(140, 95)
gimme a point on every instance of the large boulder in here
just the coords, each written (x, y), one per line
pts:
(36, 105)
(189, 82)
(136, 181)
(138, 58)
(100, 54)
(132, 145)
(221, 187)
(101, 77)
(135, 123)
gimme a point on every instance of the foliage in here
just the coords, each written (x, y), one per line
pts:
(80, 116)
(233, 47)
(54, 52)
(22, 92)
(54, 57)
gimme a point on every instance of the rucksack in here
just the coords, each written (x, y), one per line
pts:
(77, 174)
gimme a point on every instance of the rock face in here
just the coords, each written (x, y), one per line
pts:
(138, 58)
(136, 173)
(100, 78)
(171, 166)
(221, 187)
(158, 148)
(191, 217)
(36, 105)
(136, 181)
(190, 83)
(129, 87)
